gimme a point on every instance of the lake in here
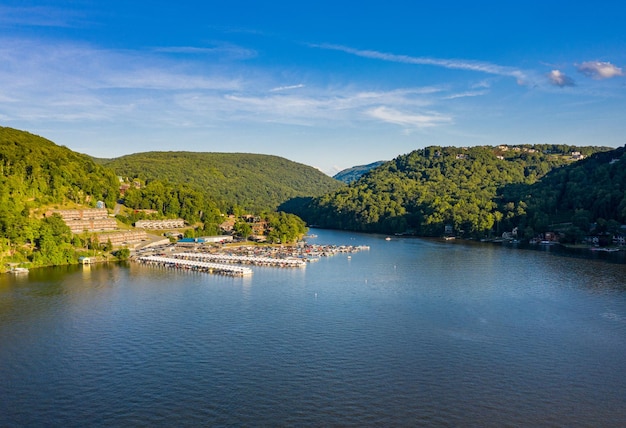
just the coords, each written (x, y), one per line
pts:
(411, 332)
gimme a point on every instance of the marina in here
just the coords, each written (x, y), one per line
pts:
(194, 265)
(220, 260)
(305, 252)
(240, 259)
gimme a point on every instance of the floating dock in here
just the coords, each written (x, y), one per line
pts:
(222, 262)
(240, 259)
(195, 265)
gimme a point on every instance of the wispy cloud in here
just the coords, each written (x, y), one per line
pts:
(223, 50)
(409, 120)
(465, 95)
(29, 65)
(457, 64)
(558, 78)
(287, 88)
(599, 70)
(327, 106)
(78, 82)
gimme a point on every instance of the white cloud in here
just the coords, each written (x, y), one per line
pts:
(558, 78)
(57, 67)
(599, 70)
(65, 82)
(465, 95)
(325, 106)
(286, 88)
(484, 84)
(390, 115)
(458, 64)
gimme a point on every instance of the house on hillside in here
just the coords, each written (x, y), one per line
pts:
(89, 220)
(176, 223)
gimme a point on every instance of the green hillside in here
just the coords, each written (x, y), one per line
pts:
(36, 174)
(426, 190)
(35, 171)
(588, 196)
(252, 181)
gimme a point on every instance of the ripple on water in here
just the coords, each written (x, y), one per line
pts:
(412, 333)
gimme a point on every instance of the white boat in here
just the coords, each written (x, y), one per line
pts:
(605, 249)
(19, 270)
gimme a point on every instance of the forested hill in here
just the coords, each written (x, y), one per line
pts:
(588, 196)
(35, 175)
(351, 175)
(35, 171)
(426, 190)
(252, 181)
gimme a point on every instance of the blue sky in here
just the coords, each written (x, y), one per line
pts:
(328, 84)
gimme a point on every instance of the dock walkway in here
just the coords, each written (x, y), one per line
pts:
(195, 265)
(240, 259)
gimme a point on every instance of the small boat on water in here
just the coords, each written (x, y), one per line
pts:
(18, 270)
(605, 249)
(387, 239)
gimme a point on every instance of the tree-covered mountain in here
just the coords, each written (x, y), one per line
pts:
(574, 200)
(251, 181)
(428, 189)
(35, 174)
(351, 175)
(37, 170)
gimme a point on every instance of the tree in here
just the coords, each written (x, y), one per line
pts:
(242, 229)
(122, 254)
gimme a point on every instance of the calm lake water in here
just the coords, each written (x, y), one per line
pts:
(410, 333)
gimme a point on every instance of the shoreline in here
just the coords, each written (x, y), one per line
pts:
(311, 252)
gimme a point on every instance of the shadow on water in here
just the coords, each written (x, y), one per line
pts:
(598, 255)
(616, 257)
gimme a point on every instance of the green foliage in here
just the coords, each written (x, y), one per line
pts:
(284, 228)
(578, 196)
(122, 254)
(254, 182)
(35, 172)
(242, 229)
(427, 189)
(171, 201)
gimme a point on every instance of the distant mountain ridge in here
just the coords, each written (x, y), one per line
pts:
(252, 181)
(350, 175)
